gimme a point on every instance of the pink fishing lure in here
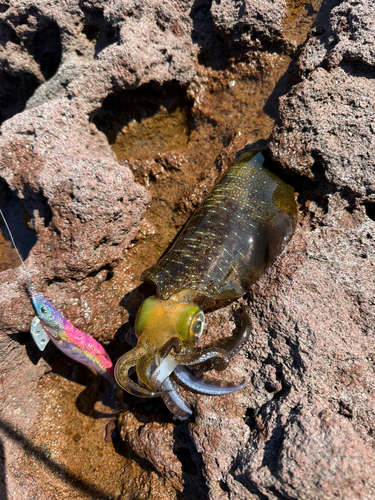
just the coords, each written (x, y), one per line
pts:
(76, 344)
(51, 324)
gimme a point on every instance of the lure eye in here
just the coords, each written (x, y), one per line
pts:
(197, 326)
(44, 309)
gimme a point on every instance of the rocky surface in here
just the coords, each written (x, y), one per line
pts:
(334, 135)
(326, 123)
(85, 206)
(303, 428)
(250, 24)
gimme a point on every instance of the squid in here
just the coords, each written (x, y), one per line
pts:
(228, 243)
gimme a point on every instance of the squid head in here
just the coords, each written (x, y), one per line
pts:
(166, 330)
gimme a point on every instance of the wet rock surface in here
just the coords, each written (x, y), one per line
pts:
(303, 428)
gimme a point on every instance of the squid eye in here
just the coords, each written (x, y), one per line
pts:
(44, 309)
(198, 325)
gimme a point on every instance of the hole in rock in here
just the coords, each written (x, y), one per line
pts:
(7, 34)
(15, 89)
(17, 219)
(144, 122)
(188, 464)
(97, 28)
(91, 31)
(370, 210)
(250, 415)
(224, 486)
(20, 79)
(47, 49)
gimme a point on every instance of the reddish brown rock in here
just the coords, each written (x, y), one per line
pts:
(343, 31)
(326, 130)
(84, 205)
(303, 428)
(151, 441)
(325, 126)
(250, 23)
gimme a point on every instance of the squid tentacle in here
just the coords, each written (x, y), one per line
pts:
(233, 344)
(173, 343)
(210, 387)
(230, 345)
(122, 368)
(217, 357)
(143, 363)
(172, 398)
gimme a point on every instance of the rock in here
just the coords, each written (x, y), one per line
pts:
(343, 32)
(249, 23)
(73, 180)
(325, 127)
(324, 133)
(85, 207)
(151, 442)
(303, 428)
(325, 130)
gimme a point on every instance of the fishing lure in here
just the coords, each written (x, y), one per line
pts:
(227, 244)
(50, 324)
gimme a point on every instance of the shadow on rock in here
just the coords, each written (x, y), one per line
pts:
(3, 486)
(213, 51)
(84, 487)
(195, 485)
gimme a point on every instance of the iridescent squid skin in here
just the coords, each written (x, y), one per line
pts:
(227, 244)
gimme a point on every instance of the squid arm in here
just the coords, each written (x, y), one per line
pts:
(208, 386)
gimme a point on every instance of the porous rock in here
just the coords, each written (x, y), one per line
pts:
(85, 206)
(303, 428)
(59, 61)
(249, 23)
(325, 127)
(342, 31)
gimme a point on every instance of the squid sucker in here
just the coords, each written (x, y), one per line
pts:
(227, 244)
